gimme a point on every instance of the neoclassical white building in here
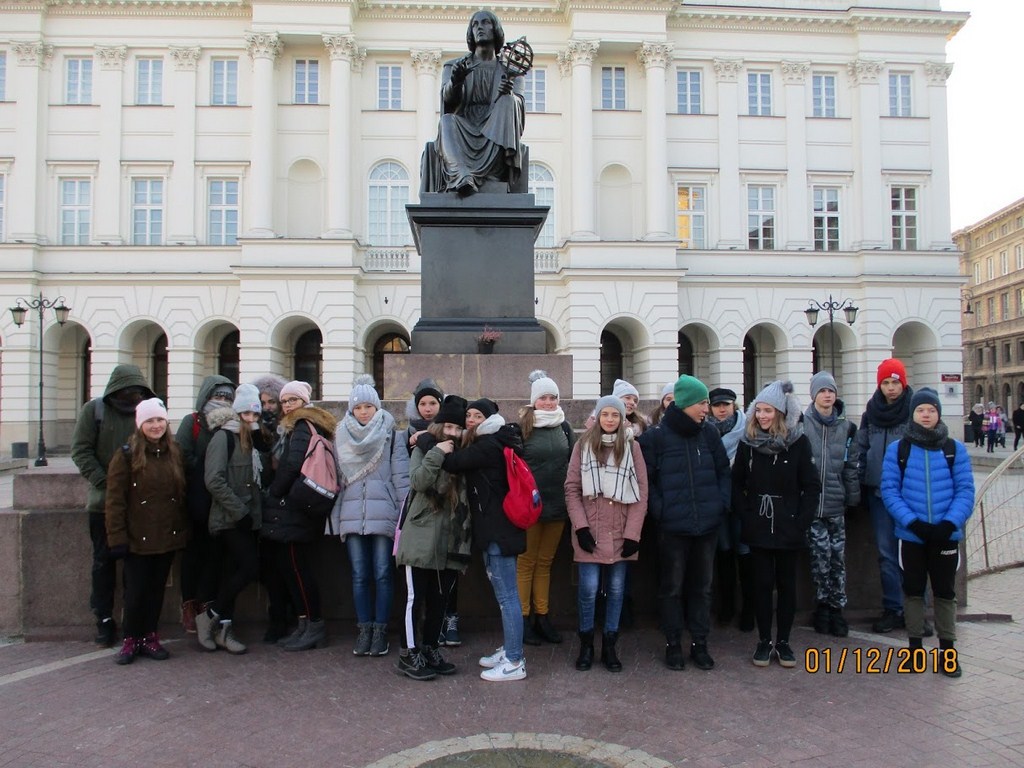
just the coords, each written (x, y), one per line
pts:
(219, 186)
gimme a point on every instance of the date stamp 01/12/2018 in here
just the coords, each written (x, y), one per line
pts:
(878, 661)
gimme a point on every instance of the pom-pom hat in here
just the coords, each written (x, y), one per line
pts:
(776, 395)
(363, 392)
(541, 384)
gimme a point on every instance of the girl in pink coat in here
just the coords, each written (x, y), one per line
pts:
(606, 494)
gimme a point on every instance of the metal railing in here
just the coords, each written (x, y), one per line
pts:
(995, 531)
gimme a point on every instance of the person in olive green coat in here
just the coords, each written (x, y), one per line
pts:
(548, 441)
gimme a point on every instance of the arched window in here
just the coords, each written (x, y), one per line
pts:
(227, 357)
(388, 194)
(686, 362)
(611, 361)
(542, 187)
(309, 359)
(388, 344)
(160, 366)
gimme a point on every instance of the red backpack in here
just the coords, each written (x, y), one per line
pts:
(522, 503)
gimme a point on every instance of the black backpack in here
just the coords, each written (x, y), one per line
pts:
(903, 453)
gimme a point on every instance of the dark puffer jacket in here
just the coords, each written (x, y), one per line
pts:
(881, 424)
(193, 442)
(687, 474)
(835, 453)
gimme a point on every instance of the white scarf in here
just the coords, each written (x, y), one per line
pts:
(361, 447)
(544, 419)
(607, 479)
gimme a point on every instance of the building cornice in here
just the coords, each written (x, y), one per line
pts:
(854, 20)
(1010, 210)
(127, 8)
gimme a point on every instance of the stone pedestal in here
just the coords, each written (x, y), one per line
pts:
(477, 270)
(497, 376)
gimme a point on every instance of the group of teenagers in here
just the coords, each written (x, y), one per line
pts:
(729, 494)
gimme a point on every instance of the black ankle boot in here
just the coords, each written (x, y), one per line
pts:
(949, 660)
(586, 658)
(608, 656)
(529, 633)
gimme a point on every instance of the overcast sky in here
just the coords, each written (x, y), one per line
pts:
(986, 111)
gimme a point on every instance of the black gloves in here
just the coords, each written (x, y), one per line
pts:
(922, 530)
(586, 540)
(630, 547)
(943, 532)
(119, 551)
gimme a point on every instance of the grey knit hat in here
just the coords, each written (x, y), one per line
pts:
(822, 380)
(363, 392)
(775, 395)
(610, 401)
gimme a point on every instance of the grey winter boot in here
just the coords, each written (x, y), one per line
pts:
(299, 631)
(206, 626)
(315, 636)
(225, 638)
(362, 647)
(379, 642)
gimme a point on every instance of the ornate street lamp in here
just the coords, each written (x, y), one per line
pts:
(18, 313)
(831, 307)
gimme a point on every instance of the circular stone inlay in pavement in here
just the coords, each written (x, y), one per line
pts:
(514, 758)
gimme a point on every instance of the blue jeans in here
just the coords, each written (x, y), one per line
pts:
(371, 562)
(888, 557)
(586, 596)
(501, 571)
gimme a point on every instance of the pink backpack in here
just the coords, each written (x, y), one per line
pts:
(317, 486)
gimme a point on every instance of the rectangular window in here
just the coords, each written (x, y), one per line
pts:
(691, 216)
(1004, 230)
(977, 272)
(980, 356)
(759, 93)
(224, 83)
(149, 81)
(990, 268)
(3, 75)
(613, 87)
(688, 91)
(389, 87)
(1020, 351)
(826, 218)
(903, 204)
(1020, 304)
(1018, 256)
(3, 204)
(823, 95)
(147, 211)
(899, 94)
(1004, 264)
(79, 81)
(1007, 358)
(760, 217)
(75, 211)
(307, 81)
(990, 305)
(535, 86)
(222, 212)
(1004, 306)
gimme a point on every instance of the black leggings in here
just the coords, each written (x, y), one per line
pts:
(243, 568)
(296, 566)
(774, 569)
(201, 564)
(145, 577)
(428, 592)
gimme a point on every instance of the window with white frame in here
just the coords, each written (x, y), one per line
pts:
(75, 211)
(1004, 306)
(826, 218)
(535, 87)
(691, 215)
(149, 81)
(613, 87)
(823, 95)
(977, 272)
(899, 94)
(990, 269)
(388, 195)
(3, 205)
(903, 211)
(688, 91)
(307, 81)
(224, 82)
(1018, 253)
(3, 75)
(222, 212)
(1020, 302)
(78, 81)
(389, 86)
(760, 217)
(542, 186)
(1004, 263)
(759, 93)
(147, 211)
(990, 304)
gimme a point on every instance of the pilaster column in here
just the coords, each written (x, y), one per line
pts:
(867, 149)
(107, 195)
(798, 217)
(181, 227)
(263, 48)
(345, 56)
(25, 207)
(938, 236)
(578, 58)
(426, 65)
(184, 375)
(732, 219)
(654, 58)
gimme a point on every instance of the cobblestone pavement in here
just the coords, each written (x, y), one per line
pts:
(67, 704)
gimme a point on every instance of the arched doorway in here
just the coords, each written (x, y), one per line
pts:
(160, 369)
(611, 361)
(228, 357)
(309, 359)
(687, 364)
(388, 344)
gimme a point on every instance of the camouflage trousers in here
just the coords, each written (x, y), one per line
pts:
(827, 539)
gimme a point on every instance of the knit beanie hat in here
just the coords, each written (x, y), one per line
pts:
(486, 406)
(623, 387)
(149, 409)
(924, 396)
(689, 391)
(892, 369)
(775, 395)
(822, 380)
(363, 392)
(452, 411)
(223, 390)
(668, 389)
(299, 389)
(247, 398)
(540, 384)
(424, 388)
(610, 401)
(721, 395)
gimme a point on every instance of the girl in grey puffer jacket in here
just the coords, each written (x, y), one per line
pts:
(373, 464)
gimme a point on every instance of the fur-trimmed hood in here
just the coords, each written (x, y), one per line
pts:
(218, 417)
(321, 419)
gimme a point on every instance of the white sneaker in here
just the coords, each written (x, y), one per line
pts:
(490, 662)
(505, 670)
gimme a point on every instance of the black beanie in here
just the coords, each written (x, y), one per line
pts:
(926, 396)
(486, 406)
(452, 411)
(424, 388)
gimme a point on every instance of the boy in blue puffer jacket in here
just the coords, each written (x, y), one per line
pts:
(929, 501)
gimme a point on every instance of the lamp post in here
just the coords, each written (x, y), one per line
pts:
(18, 312)
(831, 307)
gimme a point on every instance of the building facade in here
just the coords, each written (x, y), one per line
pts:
(993, 261)
(220, 187)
